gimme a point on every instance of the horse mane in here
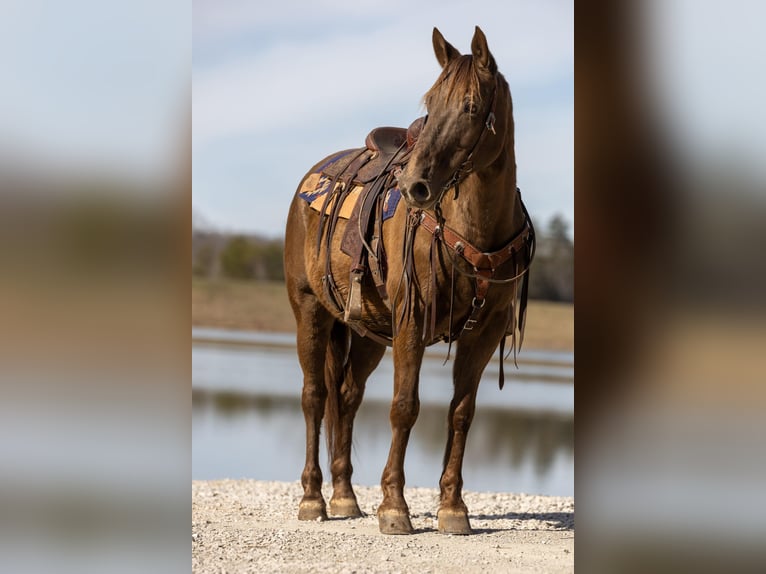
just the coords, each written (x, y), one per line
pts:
(459, 77)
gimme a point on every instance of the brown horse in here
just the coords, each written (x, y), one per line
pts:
(458, 252)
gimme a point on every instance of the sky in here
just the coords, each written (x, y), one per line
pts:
(278, 86)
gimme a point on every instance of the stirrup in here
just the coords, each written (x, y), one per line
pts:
(353, 310)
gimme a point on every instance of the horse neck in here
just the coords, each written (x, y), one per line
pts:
(487, 211)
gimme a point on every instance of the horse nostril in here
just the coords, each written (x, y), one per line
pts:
(419, 192)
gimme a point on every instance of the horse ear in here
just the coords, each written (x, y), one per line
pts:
(481, 54)
(445, 52)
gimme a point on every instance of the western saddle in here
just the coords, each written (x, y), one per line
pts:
(375, 167)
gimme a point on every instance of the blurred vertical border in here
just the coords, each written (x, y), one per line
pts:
(95, 220)
(670, 198)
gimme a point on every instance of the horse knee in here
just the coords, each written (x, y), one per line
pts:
(313, 396)
(351, 397)
(404, 411)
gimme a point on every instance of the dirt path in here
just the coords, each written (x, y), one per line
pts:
(252, 526)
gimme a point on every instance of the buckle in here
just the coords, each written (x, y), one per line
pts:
(491, 123)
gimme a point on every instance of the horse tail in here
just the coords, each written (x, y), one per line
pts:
(334, 372)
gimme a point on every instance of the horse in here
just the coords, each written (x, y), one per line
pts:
(457, 257)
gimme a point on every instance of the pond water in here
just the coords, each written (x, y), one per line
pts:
(247, 421)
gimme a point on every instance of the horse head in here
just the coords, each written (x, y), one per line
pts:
(468, 116)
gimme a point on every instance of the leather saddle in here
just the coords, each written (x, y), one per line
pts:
(387, 150)
(386, 140)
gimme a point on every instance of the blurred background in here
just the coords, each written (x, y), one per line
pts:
(95, 203)
(670, 281)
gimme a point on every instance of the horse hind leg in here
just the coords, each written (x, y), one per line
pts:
(343, 402)
(314, 323)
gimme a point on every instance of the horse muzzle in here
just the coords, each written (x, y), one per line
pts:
(418, 193)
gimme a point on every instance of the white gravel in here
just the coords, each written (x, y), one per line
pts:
(252, 526)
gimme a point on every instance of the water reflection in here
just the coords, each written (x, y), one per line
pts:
(274, 370)
(237, 435)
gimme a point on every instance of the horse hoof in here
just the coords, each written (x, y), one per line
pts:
(312, 510)
(345, 507)
(393, 522)
(453, 522)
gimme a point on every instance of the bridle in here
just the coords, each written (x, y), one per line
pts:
(466, 167)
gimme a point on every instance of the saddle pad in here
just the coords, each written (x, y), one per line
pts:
(316, 186)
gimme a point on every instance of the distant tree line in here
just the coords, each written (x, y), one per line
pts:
(242, 256)
(237, 256)
(552, 273)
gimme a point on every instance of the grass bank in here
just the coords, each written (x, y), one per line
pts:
(263, 306)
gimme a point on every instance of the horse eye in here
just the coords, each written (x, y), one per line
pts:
(470, 108)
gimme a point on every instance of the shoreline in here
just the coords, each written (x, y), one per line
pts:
(264, 306)
(252, 526)
(286, 340)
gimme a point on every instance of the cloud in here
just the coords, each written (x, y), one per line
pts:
(295, 80)
(294, 84)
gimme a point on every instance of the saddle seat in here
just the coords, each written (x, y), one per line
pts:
(386, 140)
(390, 147)
(385, 150)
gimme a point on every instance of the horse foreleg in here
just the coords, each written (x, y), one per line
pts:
(393, 513)
(470, 360)
(364, 356)
(314, 324)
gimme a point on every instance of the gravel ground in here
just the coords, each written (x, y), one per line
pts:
(252, 526)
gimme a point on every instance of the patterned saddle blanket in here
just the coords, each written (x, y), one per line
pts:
(315, 188)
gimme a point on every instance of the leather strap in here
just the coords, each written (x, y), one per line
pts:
(483, 263)
(484, 266)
